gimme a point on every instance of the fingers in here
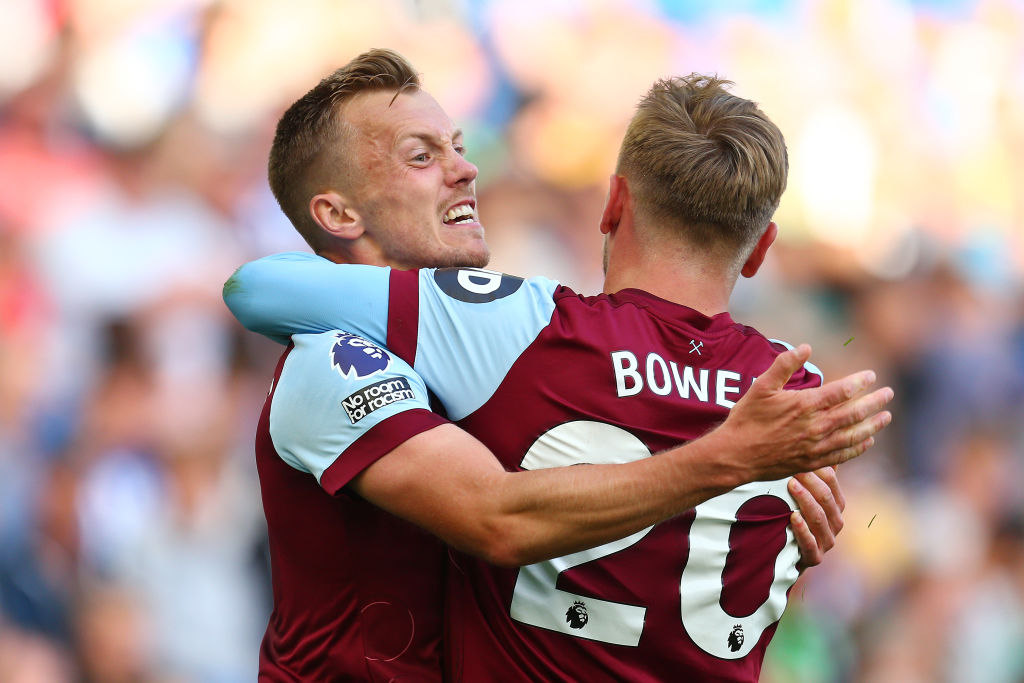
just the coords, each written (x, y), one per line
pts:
(823, 486)
(830, 475)
(810, 554)
(840, 390)
(841, 455)
(783, 367)
(854, 434)
(820, 516)
(814, 511)
(859, 409)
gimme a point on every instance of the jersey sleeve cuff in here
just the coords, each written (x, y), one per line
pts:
(377, 442)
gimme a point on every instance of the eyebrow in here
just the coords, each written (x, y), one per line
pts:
(429, 137)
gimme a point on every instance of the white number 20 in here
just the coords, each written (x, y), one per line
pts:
(536, 600)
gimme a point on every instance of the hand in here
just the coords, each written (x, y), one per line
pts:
(791, 431)
(820, 517)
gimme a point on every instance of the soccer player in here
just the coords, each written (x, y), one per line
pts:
(345, 413)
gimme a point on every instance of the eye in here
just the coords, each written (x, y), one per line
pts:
(421, 158)
(461, 149)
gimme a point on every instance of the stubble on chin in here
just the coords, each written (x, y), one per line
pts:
(474, 254)
(466, 258)
(451, 257)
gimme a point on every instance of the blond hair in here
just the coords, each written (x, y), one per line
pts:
(704, 163)
(311, 125)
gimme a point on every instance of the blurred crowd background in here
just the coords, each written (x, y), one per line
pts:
(133, 144)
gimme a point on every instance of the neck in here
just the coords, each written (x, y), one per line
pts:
(354, 251)
(673, 274)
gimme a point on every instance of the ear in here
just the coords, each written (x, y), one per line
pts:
(618, 195)
(333, 213)
(756, 257)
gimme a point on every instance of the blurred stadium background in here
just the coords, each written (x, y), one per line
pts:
(133, 140)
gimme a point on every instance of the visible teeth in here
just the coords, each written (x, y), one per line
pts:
(457, 212)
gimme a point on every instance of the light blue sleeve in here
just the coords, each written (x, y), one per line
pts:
(333, 388)
(472, 324)
(298, 292)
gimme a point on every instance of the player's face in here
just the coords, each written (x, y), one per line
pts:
(415, 191)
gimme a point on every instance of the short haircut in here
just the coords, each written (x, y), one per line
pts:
(311, 126)
(704, 163)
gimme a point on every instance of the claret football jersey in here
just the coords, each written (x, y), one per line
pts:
(546, 377)
(357, 592)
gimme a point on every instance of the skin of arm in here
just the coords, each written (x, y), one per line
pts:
(517, 518)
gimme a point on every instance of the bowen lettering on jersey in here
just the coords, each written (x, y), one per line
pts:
(475, 285)
(356, 358)
(661, 377)
(376, 396)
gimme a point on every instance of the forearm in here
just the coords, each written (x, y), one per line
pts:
(296, 292)
(552, 512)
(449, 483)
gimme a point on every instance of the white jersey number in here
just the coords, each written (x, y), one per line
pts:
(536, 600)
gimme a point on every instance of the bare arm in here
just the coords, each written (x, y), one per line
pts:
(448, 482)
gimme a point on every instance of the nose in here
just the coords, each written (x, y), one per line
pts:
(460, 170)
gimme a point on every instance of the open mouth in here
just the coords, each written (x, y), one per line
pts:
(460, 215)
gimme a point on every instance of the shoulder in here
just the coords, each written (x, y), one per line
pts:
(334, 383)
(337, 362)
(808, 377)
(480, 286)
(334, 393)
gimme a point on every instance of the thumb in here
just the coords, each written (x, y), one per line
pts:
(783, 367)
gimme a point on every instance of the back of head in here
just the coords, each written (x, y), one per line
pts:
(311, 129)
(704, 164)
